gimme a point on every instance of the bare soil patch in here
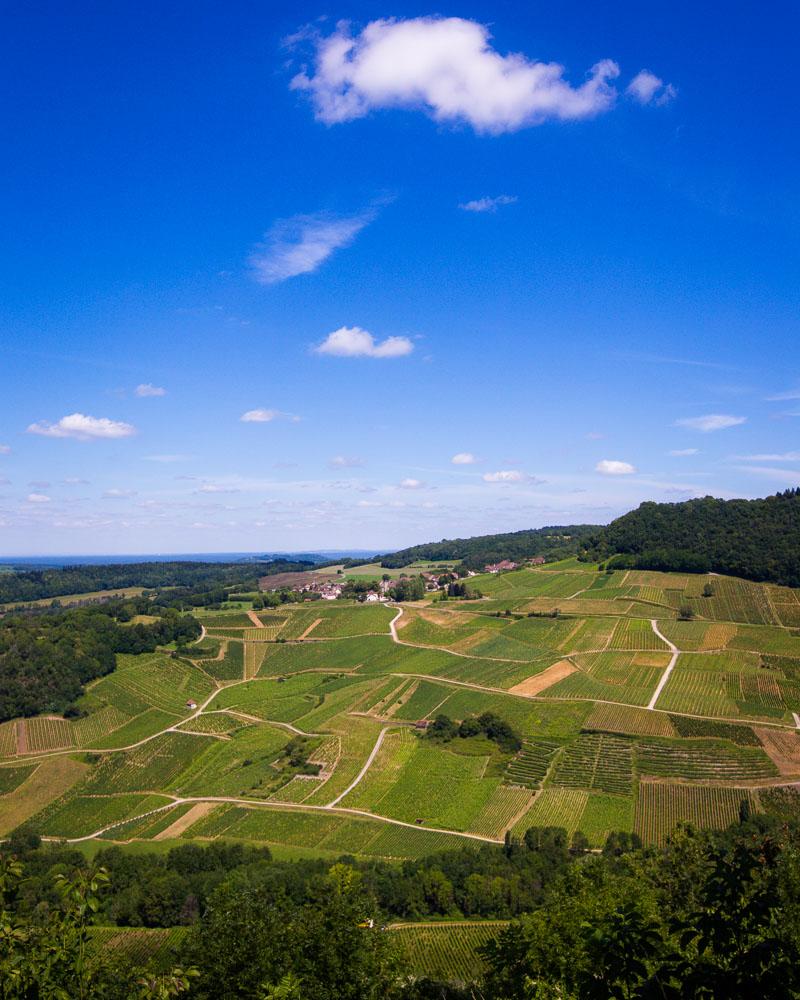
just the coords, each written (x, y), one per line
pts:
(783, 747)
(182, 823)
(311, 628)
(547, 678)
(255, 619)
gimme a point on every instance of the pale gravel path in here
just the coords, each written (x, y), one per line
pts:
(665, 676)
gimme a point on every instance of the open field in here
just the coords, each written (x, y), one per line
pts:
(197, 745)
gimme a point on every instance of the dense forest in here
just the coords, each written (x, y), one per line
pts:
(754, 539)
(708, 915)
(475, 553)
(46, 658)
(35, 585)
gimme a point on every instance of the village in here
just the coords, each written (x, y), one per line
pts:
(331, 588)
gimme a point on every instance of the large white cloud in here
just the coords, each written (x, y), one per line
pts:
(447, 67)
(353, 342)
(613, 467)
(82, 428)
(301, 244)
(710, 422)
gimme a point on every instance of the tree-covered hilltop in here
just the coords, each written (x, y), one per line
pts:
(35, 585)
(555, 542)
(754, 539)
(46, 658)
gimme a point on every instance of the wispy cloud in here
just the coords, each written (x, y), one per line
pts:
(5, 449)
(345, 462)
(82, 428)
(447, 68)
(710, 422)
(301, 244)
(489, 204)
(789, 477)
(786, 456)
(464, 458)
(167, 459)
(647, 88)
(353, 342)
(683, 452)
(260, 416)
(613, 467)
(411, 484)
(145, 389)
(118, 494)
(782, 397)
(38, 498)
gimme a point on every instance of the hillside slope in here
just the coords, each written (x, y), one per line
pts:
(554, 542)
(755, 539)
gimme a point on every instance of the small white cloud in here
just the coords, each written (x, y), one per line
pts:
(5, 449)
(505, 476)
(266, 416)
(369, 503)
(594, 436)
(411, 484)
(487, 204)
(117, 494)
(353, 342)
(301, 244)
(75, 481)
(82, 428)
(38, 498)
(647, 88)
(684, 452)
(786, 456)
(447, 68)
(710, 422)
(464, 458)
(345, 462)
(612, 467)
(146, 389)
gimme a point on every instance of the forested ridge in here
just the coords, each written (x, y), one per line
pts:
(755, 539)
(35, 585)
(553, 542)
(46, 658)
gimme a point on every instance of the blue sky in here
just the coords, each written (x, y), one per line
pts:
(558, 243)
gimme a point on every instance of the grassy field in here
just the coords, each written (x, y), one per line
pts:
(594, 758)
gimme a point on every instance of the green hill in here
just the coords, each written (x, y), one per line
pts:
(755, 539)
(554, 542)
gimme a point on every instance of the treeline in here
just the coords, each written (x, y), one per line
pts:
(40, 584)
(475, 553)
(46, 658)
(708, 915)
(755, 539)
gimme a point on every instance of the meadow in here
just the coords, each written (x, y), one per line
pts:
(308, 732)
